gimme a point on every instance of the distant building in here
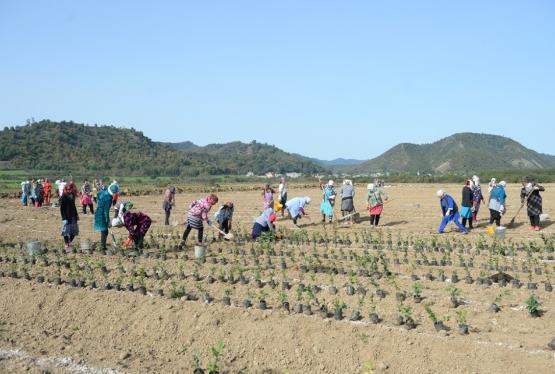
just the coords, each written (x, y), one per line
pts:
(269, 174)
(293, 175)
(250, 174)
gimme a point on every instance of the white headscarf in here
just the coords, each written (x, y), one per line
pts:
(476, 180)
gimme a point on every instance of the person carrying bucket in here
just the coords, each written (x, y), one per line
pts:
(136, 223)
(264, 223)
(376, 198)
(530, 193)
(328, 201)
(496, 204)
(296, 207)
(450, 212)
(197, 214)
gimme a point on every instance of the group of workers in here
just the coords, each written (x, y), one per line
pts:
(39, 192)
(472, 198)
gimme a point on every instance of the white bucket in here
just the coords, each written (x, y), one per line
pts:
(544, 217)
(500, 232)
(85, 244)
(199, 251)
(34, 247)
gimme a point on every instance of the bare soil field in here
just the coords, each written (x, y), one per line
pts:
(324, 299)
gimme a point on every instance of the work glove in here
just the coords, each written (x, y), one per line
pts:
(127, 243)
(64, 221)
(502, 209)
(473, 209)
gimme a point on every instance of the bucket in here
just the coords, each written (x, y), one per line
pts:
(85, 244)
(199, 251)
(34, 248)
(544, 217)
(500, 232)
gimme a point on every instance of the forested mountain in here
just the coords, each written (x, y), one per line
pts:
(459, 153)
(72, 147)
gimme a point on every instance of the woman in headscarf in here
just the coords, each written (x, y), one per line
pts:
(328, 201)
(282, 190)
(296, 206)
(496, 204)
(69, 214)
(492, 184)
(477, 197)
(39, 194)
(33, 196)
(86, 197)
(347, 194)
(530, 194)
(102, 215)
(450, 212)
(136, 223)
(169, 203)
(376, 197)
(264, 223)
(467, 203)
(268, 196)
(224, 218)
(197, 214)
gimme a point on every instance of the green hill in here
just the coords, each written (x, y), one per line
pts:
(78, 148)
(459, 153)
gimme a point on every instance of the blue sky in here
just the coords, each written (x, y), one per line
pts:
(323, 78)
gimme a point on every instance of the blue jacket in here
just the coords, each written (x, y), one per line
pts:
(102, 213)
(447, 203)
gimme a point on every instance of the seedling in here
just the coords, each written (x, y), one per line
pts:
(533, 306)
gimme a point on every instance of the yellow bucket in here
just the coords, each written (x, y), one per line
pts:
(277, 206)
(490, 230)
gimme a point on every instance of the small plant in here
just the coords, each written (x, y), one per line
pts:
(431, 314)
(216, 353)
(533, 306)
(417, 289)
(461, 317)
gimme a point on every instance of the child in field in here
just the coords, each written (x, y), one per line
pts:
(450, 212)
(86, 197)
(197, 214)
(268, 196)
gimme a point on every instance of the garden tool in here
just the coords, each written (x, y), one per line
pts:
(227, 236)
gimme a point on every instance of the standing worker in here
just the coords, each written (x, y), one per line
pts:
(268, 196)
(328, 201)
(530, 194)
(376, 198)
(450, 212)
(86, 197)
(102, 215)
(69, 214)
(477, 197)
(47, 188)
(25, 192)
(467, 204)
(496, 204)
(197, 214)
(282, 190)
(347, 194)
(169, 203)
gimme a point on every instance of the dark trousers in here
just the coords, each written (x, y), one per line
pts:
(91, 208)
(168, 212)
(534, 220)
(139, 239)
(225, 226)
(494, 216)
(69, 238)
(375, 219)
(258, 229)
(188, 229)
(103, 239)
(464, 220)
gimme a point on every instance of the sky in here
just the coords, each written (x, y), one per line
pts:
(326, 79)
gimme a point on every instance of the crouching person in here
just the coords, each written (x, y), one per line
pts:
(296, 207)
(137, 224)
(224, 218)
(450, 212)
(264, 223)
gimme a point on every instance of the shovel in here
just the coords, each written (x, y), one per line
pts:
(356, 215)
(227, 236)
(114, 245)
